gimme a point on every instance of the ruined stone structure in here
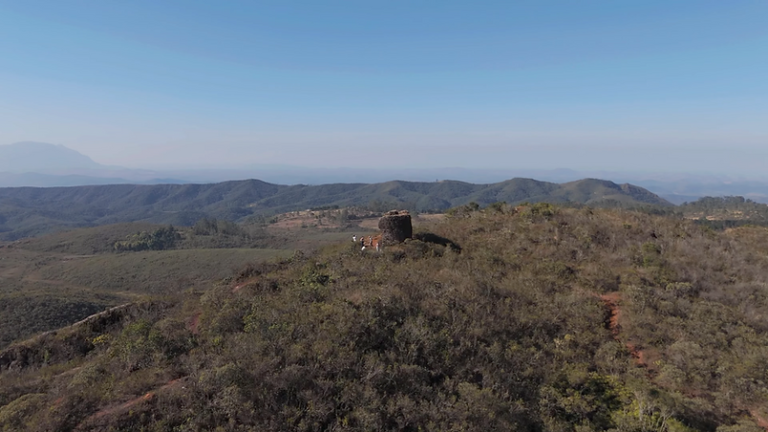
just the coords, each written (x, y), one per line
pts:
(395, 226)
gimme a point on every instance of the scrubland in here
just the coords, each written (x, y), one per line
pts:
(534, 317)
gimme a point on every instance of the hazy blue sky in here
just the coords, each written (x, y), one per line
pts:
(620, 85)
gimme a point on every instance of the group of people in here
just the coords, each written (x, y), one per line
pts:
(372, 242)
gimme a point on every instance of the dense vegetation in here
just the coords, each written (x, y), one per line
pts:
(160, 239)
(534, 317)
(28, 212)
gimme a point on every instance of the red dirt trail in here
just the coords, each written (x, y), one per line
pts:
(612, 300)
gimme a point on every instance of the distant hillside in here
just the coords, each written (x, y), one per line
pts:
(31, 179)
(47, 180)
(41, 157)
(32, 211)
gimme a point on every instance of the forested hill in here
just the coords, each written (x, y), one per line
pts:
(31, 211)
(508, 318)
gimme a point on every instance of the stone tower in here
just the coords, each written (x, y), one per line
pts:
(395, 226)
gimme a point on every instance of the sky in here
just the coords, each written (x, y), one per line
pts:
(668, 85)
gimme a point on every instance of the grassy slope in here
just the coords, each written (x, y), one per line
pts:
(50, 281)
(42, 291)
(548, 319)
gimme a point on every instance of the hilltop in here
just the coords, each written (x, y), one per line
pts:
(546, 318)
(33, 211)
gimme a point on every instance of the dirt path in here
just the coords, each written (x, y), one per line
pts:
(194, 323)
(244, 283)
(613, 300)
(760, 420)
(74, 257)
(125, 406)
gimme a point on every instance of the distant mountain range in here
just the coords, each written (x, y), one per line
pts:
(49, 165)
(32, 211)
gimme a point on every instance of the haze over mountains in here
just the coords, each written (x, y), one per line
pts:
(41, 157)
(48, 165)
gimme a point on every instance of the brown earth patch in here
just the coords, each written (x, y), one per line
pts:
(330, 218)
(612, 301)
